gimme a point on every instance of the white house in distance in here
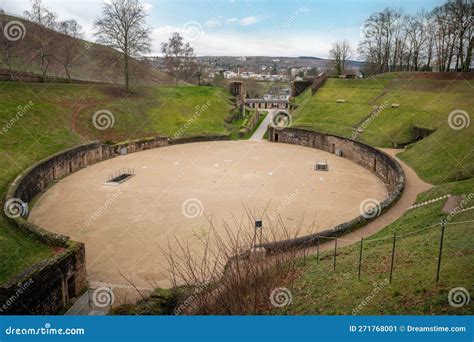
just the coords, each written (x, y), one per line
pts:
(268, 101)
(230, 74)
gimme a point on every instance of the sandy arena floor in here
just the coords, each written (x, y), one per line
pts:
(177, 190)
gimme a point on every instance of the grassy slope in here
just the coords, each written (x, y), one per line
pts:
(321, 290)
(443, 158)
(322, 113)
(46, 128)
(161, 110)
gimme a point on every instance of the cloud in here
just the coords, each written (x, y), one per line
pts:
(211, 23)
(221, 43)
(160, 35)
(249, 21)
(147, 7)
(227, 40)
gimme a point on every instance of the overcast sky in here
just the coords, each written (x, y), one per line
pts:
(240, 27)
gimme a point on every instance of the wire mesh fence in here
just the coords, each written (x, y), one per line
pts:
(439, 243)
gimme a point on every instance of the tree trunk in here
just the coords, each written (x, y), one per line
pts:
(126, 71)
(450, 58)
(44, 66)
(428, 62)
(467, 62)
(460, 57)
(67, 73)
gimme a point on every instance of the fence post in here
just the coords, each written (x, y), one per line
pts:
(393, 255)
(360, 254)
(443, 224)
(304, 256)
(335, 252)
(317, 253)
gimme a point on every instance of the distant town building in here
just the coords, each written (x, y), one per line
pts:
(298, 71)
(278, 99)
(267, 104)
(271, 97)
(228, 75)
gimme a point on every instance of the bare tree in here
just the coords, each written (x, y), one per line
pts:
(383, 36)
(69, 44)
(180, 61)
(417, 37)
(41, 15)
(442, 38)
(254, 88)
(42, 43)
(340, 52)
(235, 270)
(123, 28)
(430, 40)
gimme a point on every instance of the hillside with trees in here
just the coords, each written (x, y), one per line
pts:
(438, 40)
(42, 44)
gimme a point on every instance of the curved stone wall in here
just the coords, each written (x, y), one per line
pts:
(52, 283)
(385, 167)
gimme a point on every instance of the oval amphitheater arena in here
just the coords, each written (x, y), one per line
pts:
(130, 209)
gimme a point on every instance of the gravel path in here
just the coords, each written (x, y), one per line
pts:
(260, 131)
(413, 186)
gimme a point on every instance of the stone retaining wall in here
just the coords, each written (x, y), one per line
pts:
(25, 76)
(298, 87)
(48, 286)
(383, 166)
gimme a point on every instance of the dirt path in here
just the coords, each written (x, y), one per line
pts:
(260, 131)
(80, 107)
(451, 204)
(413, 186)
